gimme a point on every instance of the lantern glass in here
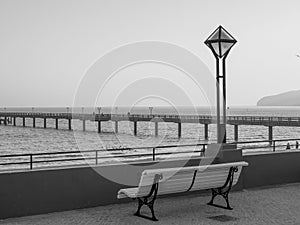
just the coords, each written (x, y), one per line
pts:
(220, 42)
(225, 47)
(225, 35)
(216, 48)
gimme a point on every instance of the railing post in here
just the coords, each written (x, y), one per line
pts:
(153, 154)
(273, 146)
(31, 161)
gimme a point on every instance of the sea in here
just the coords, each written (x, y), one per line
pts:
(23, 140)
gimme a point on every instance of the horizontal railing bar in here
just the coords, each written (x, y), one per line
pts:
(262, 141)
(111, 149)
(101, 157)
(134, 155)
(62, 160)
(13, 163)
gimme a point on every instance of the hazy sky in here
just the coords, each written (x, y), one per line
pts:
(46, 46)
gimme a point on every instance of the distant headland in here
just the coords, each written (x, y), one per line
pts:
(290, 98)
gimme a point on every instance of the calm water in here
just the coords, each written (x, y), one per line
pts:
(18, 139)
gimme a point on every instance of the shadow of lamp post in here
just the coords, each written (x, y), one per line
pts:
(220, 42)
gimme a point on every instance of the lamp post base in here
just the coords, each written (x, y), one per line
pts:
(229, 153)
(221, 133)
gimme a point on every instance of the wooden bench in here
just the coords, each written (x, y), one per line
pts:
(219, 178)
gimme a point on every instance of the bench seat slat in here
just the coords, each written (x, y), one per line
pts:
(221, 177)
(148, 180)
(196, 186)
(199, 168)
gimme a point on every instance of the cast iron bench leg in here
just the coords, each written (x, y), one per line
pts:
(223, 191)
(150, 204)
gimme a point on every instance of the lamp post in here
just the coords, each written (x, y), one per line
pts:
(220, 42)
(99, 110)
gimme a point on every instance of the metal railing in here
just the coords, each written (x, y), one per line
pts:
(33, 160)
(270, 144)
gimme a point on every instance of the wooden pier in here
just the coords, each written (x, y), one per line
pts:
(7, 118)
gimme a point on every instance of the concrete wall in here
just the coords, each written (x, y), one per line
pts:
(44, 191)
(271, 169)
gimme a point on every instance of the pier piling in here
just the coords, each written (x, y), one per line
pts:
(179, 130)
(236, 132)
(70, 124)
(14, 121)
(56, 123)
(33, 122)
(83, 125)
(99, 126)
(206, 131)
(45, 123)
(116, 127)
(270, 134)
(24, 122)
(135, 128)
(156, 129)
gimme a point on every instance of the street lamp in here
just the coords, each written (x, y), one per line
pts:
(220, 42)
(99, 110)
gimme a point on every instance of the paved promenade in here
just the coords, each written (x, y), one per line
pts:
(273, 205)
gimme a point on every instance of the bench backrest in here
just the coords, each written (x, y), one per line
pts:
(175, 180)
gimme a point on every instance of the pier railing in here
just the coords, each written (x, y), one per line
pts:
(183, 118)
(47, 159)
